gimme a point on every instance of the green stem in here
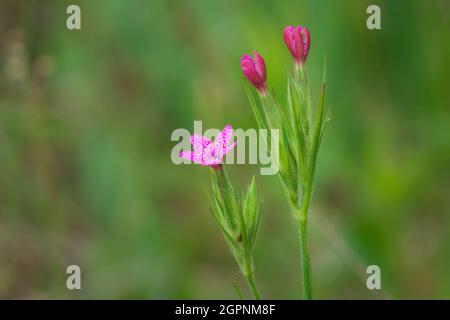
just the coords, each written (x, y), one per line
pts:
(249, 274)
(306, 92)
(303, 238)
(306, 264)
(307, 190)
(252, 284)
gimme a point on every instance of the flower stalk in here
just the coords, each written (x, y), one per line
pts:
(301, 130)
(238, 218)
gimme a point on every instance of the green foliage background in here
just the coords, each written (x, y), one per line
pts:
(86, 176)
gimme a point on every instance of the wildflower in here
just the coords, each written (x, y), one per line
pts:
(207, 153)
(238, 217)
(301, 128)
(298, 41)
(255, 71)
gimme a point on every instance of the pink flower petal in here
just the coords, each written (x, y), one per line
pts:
(248, 67)
(231, 147)
(260, 66)
(306, 37)
(288, 35)
(187, 155)
(298, 42)
(193, 156)
(222, 140)
(199, 142)
(206, 153)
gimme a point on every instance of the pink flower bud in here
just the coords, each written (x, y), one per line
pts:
(255, 71)
(298, 41)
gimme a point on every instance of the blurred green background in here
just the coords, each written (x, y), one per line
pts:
(86, 176)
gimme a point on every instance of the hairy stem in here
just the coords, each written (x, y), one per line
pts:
(250, 275)
(303, 238)
(306, 264)
(252, 285)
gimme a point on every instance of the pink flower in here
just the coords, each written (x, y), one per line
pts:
(207, 153)
(255, 71)
(298, 41)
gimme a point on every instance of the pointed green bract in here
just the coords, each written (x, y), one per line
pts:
(238, 219)
(251, 210)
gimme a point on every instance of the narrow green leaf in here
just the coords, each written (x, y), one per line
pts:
(238, 290)
(300, 151)
(219, 194)
(251, 213)
(302, 111)
(319, 125)
(229, 198)
(259, 116)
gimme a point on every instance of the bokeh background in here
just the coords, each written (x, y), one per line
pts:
(86, 176)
